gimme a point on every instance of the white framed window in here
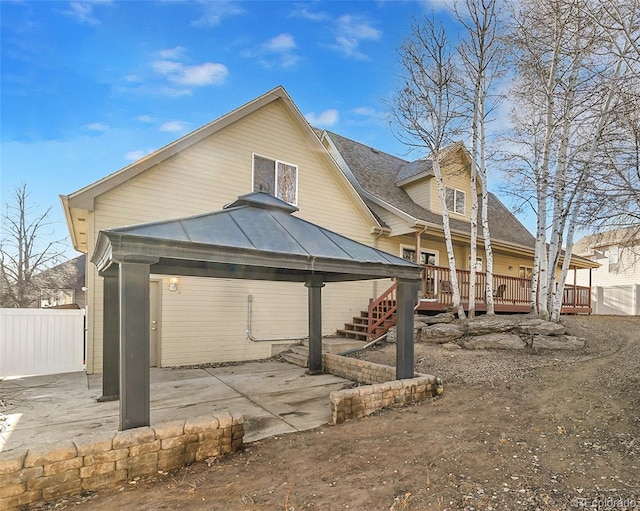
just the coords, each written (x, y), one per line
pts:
(478, 263)
(614, 258)
(426, 256)
(525, 272)
(276, 178)
(455, 200)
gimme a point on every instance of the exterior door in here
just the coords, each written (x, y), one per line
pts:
(154, 302)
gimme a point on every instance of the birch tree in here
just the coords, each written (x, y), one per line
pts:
(483, 62)
(428, 111)
(570, 71)
(617, 203)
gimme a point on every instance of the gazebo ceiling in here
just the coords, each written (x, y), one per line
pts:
(255, 237)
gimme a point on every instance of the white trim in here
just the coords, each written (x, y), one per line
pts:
(275, 178)
(422, 251)
(456, 191)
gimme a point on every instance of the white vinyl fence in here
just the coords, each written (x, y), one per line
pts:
(41, 341)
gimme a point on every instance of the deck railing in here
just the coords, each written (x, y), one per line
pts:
(507, 290)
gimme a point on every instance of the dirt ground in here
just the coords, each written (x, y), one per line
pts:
(526, 430)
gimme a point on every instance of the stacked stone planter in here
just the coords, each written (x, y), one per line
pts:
(93, 462)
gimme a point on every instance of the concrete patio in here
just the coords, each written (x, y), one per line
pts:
(274, 397)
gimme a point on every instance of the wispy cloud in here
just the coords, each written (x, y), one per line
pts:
(83, 12)
(97, 126)
(147, 119)
(365, 115)
(350, 32)
(137, 154)
(174, 126)
(281, 48)
(170, 66)
(279, 51)
(176, 53)
(304, 12)
(214, 12)
(324, 119)
(280, 44)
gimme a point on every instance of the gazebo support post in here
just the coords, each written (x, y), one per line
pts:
(315, 325)
(407, 292)
(110, 339)
(134, 345)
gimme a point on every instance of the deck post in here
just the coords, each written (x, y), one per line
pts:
(110, 338)
(407, 293)
(315, 325)
(134, 345)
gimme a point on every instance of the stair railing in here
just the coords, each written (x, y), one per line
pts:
(381, 309)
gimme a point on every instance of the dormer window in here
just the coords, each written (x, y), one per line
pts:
(275, 177)
(455, 200)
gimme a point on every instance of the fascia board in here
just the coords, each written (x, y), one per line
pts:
(84, 197)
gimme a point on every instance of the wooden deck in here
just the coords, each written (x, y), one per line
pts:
(510, 294)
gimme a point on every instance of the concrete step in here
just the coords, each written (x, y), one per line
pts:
(300, 349)
(296, 358)
(338, 344)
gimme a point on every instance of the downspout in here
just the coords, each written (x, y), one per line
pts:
(378, 231)
(419, 234)
(255, 339)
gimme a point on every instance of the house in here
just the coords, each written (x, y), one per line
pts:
(615, 285)
(69, 291)
(267, 146)
(403, 195)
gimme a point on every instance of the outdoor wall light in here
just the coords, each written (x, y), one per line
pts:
(510, 268)
(173, 284)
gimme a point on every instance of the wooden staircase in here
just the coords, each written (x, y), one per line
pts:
(376, 321)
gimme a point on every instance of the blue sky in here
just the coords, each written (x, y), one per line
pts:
(89, 87)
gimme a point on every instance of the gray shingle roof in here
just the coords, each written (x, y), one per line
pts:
(258, 231)
(414, 168)
(378, 172)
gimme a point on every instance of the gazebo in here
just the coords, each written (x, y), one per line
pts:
(255, 237)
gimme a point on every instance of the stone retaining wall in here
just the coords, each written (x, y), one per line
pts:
(99, 461)
(357, 370)
(382, 391)
(353, 403)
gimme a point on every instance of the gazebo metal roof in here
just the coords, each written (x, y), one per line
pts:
(255, 237)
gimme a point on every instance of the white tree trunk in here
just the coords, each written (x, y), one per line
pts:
(473, 243)
(486, 234)
(556, 308)
(455, 286)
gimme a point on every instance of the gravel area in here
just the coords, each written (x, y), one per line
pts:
(522, 430)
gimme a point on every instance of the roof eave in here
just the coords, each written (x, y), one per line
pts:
(416, 177)
(84, 197)
(121, 247)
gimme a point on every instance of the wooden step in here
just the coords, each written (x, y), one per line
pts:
(355, 334)
(358, 327)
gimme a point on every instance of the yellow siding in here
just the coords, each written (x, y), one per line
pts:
(502, 261)
(206, 319)
(397, 224)
(455, 174)
(420, 192)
